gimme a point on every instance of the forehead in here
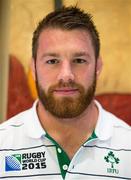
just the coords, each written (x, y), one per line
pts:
(65, 39)
(53, 33)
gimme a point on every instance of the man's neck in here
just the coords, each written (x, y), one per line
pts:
(75, 131)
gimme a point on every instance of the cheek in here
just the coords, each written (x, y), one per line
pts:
(86, 78)
(45, 79)
(85, 72)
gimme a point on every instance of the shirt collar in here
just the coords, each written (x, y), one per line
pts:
(104, 126)
(33, 127)
(103, 130)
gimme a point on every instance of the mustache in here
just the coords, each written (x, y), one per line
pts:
(69, 84)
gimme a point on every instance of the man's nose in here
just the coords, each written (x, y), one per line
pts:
(66, 74)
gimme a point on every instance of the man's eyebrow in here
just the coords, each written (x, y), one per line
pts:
(75, 54)
(50, 54)
(78, 54)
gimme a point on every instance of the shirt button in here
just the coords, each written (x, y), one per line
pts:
(59, 150)
(65, 167)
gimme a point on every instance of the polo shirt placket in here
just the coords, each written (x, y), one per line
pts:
(63, 159)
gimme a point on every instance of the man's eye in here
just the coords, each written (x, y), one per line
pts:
(79, 61)
(52, 61)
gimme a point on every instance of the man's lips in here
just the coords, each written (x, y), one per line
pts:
(65, 91)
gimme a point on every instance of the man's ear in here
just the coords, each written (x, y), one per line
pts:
(99, 66)
(33, 69)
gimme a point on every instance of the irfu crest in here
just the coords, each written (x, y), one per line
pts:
(110, 158)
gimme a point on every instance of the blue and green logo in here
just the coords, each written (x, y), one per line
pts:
(13, 162)
(25, 161)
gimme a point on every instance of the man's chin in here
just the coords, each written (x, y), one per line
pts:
(62, 104)
(65, 107)
(65, 101)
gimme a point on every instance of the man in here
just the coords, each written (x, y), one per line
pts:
(66, 134)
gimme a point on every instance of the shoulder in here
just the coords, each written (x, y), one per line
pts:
(15, 121)
(13, 128)
(111, 118)
(120, 133)
(112, 128)
(117, 122)
(19, 120)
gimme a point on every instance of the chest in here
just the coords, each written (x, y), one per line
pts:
(46, 161)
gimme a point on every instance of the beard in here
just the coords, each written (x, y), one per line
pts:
(66, 107)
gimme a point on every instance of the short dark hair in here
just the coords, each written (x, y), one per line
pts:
(67, 18)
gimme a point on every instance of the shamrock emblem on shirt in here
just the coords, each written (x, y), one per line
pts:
(110, 158)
